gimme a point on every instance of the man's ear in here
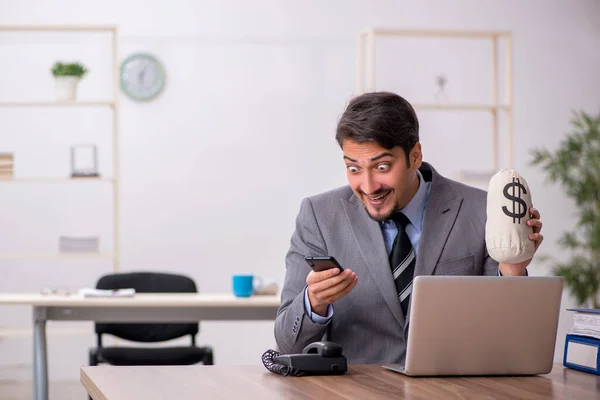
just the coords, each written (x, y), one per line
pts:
(416, 156)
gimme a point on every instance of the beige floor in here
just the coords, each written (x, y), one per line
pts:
(11, 390)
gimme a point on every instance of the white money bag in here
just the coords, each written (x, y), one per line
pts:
(506, 229)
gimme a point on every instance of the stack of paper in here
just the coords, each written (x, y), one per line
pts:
(90, 292)
(586, 322)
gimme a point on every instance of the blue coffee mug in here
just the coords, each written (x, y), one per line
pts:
(243, 285)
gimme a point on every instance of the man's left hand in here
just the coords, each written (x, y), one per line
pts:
(521, 268)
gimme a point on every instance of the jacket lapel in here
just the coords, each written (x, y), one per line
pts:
(369, 238)
(440, 215)
(437, 225)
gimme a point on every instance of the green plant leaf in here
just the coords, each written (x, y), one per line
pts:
(68, 69)
(575, 166)
(569, 240)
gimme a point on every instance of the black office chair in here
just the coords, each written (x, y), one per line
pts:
(149, 282)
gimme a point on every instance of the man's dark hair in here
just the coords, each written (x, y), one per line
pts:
(381, 117)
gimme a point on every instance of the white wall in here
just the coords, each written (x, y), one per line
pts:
(213, 171)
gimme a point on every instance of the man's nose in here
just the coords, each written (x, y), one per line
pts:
(369, 185)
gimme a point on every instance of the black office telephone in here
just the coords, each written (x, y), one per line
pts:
(318, 358)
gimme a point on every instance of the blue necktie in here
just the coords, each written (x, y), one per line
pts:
(402, 261)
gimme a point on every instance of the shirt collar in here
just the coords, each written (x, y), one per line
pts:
(415, 209)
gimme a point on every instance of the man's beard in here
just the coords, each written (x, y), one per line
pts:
(383, 217)
(365, 201)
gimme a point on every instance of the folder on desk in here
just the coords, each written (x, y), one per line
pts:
(582, 353)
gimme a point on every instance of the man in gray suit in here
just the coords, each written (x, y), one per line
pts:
(397, 218)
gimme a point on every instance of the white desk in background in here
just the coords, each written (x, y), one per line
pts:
(178, 307)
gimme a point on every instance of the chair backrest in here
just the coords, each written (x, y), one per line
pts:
(148, 282)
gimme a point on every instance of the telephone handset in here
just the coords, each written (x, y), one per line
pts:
(325, 349)
(318, 358)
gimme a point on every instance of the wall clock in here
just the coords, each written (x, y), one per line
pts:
(142, 77)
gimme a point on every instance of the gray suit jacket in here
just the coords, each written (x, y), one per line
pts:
(368, 322)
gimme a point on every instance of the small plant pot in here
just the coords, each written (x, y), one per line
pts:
(66, 88)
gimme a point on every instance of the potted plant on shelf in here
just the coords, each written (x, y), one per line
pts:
(575, 165)
(66, 78)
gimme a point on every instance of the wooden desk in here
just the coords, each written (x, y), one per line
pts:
(361, 382)
(179, 307)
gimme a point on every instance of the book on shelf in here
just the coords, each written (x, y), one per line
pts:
(79, 244)
(582, 343)
(6, 166)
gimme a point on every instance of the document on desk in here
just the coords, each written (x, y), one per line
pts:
(90, 292)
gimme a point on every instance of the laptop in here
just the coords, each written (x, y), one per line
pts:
(482, 325)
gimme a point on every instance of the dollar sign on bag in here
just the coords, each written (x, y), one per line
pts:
(516, 213)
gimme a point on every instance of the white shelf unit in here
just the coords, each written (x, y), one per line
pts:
(366, 44)
(113, 105)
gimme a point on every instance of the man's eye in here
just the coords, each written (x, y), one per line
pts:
(352, 169)
(383, 167)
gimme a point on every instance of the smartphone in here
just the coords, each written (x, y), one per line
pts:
(319, 264)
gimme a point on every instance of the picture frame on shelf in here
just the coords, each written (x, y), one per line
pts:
(84, 161)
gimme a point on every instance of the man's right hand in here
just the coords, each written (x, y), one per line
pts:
(327, 286)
